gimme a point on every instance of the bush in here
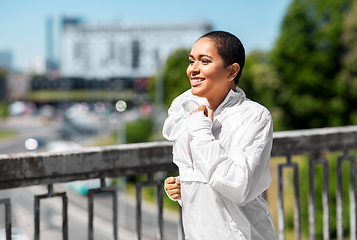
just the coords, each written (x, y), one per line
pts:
(4, 112)
(141, 130)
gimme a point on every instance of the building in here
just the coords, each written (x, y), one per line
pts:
(18, 85)
(54, 26)
(107, 62)
(123, 50)
(6, 60)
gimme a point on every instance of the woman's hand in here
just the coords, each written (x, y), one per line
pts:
(172, 187)
(206, 110)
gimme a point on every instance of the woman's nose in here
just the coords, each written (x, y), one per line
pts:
(195, 69)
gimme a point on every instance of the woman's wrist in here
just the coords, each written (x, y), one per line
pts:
(200, 126)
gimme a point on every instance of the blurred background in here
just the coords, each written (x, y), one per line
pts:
(90, 73)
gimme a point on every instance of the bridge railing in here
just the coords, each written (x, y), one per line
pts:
(48, 168)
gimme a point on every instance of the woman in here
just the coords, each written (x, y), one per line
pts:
(222, 144)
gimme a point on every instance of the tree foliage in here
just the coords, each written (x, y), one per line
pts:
(307, 59)
(174, 76)
(3, 73)
(4, 110)
(315, 61)
(348, 73)
(261, 84)
(141, 130)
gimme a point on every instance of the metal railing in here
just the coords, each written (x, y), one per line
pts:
(46, 168)
(314, 142)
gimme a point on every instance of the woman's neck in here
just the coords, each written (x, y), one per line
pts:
(215, 102)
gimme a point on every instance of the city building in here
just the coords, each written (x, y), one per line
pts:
(18, 86)
(124, 49)
(6, 60)
(106, 62)
(54, 25)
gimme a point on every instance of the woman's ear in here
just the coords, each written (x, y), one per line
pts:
(234, 71)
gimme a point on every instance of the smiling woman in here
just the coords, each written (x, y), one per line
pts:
(208, 74)
(222, 144)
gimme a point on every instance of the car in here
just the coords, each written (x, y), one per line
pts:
(55, 146)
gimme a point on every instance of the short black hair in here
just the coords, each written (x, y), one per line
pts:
(230, 48)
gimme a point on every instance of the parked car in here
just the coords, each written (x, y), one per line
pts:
(55, 146)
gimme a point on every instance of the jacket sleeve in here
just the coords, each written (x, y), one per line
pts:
(243, 173)
(174, 124)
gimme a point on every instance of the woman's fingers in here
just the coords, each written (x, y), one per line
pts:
(200, 108)
(206, 110)
(170, 180)
(172, 187)
(210, 113)
(174, 193)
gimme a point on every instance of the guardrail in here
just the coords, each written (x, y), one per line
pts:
(46, 168)
(314, 142)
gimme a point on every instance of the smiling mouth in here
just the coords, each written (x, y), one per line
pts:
(197, 80)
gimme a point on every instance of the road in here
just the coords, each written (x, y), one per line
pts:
(26, 127)
(22, 202)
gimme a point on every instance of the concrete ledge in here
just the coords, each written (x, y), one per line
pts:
(25, 169)
(313, 141)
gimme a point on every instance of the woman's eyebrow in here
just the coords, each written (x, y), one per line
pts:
(204, 55)
(200, 56)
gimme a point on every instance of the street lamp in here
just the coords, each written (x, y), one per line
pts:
(120, 106)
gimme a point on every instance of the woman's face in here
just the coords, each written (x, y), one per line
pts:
(208, 76)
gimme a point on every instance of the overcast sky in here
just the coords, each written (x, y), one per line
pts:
(22, 22)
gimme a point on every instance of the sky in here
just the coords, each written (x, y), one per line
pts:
(22, 22)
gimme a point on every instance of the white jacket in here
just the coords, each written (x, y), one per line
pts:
(223, 167)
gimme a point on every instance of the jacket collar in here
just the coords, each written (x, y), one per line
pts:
(233, 98)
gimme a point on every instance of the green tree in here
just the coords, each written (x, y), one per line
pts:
(261, 84)
(307, 59)
(4, 112)
(3, 104)
(3, 73)
(348, 73)
(174, 76)
(315, 58)
(141, 130)
(36, 76)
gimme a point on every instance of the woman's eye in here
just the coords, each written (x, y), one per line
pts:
(190, 61)
(205, 61)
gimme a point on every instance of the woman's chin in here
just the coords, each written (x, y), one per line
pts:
(195, 92)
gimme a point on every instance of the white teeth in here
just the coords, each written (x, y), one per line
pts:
(197, 80)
